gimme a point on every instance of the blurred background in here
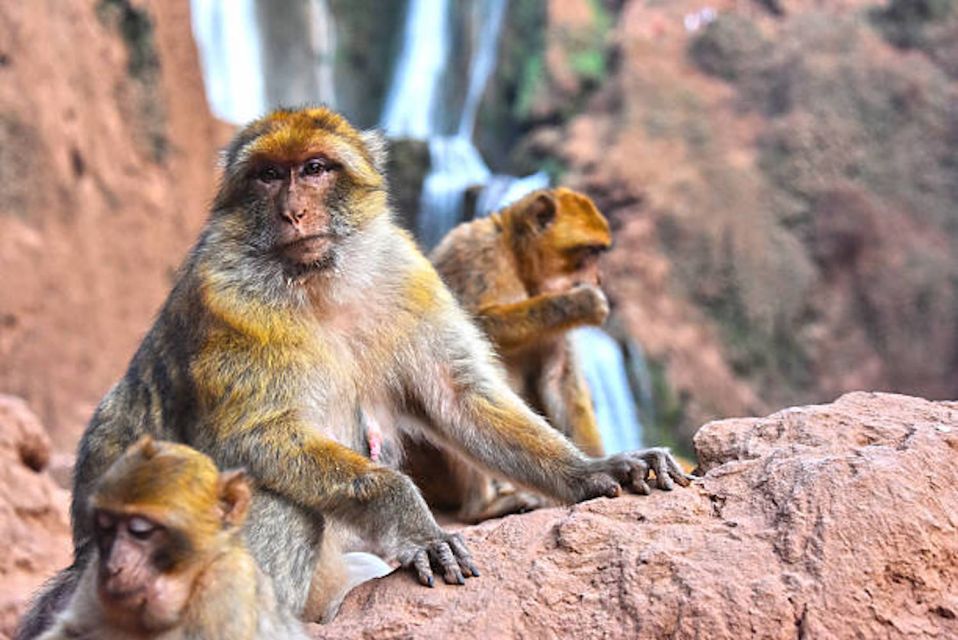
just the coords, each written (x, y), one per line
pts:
(781, 176)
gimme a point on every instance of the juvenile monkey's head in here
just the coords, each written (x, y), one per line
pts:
(558, 236)
(297, 183)
(160, 513)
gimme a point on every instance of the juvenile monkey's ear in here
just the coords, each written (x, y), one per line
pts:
(543, 210)
(378, 147)
(235, 496)
(147, 447)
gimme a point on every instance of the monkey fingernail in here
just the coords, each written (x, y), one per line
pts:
(641, 487)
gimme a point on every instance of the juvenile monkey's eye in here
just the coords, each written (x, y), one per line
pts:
(104, 521)
(314, 167)
(269, 173)
(140, 528)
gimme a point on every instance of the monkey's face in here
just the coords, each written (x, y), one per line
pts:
(569, 237)
(135, 578)
(298, 198)
(299, 184)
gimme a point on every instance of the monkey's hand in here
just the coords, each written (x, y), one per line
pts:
(587, 304)
(447, 552)
(607, 476)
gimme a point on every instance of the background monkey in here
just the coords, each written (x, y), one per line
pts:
(300, 302)
(528, 274)
(169, 559)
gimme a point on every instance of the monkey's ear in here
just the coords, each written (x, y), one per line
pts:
(235, 495)
(543, 210)
(146, 445)
(378, 147)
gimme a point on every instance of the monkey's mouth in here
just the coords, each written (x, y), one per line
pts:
(308, 250)
(123, 596)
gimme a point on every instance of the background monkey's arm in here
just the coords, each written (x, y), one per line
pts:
(543, 316)
(289, 458)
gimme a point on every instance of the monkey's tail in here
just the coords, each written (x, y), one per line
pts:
(48, 602)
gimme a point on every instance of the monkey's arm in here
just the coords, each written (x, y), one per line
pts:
(289, 458)
(471, 408)
(546, 315)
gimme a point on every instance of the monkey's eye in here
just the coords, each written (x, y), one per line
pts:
(315, 166)
(104, 521)
(269, 173)
(140, 528)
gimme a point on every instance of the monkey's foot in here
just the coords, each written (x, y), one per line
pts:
(635, 470)
(448, 554)
(503, 504)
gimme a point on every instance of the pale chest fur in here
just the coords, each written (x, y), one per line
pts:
(360, 349)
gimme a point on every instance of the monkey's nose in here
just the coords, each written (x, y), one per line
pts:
(292, 216)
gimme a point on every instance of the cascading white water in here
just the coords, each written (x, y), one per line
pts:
(322, 37)
(455, 166)
(230, 56)
(412, 108)
(603, 364)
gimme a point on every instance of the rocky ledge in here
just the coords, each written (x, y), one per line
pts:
(828, 521)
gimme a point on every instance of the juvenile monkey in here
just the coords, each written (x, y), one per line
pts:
(169, 561)
(301, 301)
(528, 274)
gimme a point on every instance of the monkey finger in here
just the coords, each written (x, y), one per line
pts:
(677, 473)
(452, 574)
(662, 479)
(639, 484)
(463, 556)
(420, 563)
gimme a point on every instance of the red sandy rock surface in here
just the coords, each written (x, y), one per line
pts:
(838, 520)
(827, 521)
(92, 225)
(34, 525)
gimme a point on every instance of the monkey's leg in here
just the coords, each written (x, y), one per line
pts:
(285, 540)
(543, 316)
(567, 401)
(451, 483)
(383, 506)
(471, 408)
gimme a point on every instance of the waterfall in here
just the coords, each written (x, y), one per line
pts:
(322, 40)
(413, 109)
(230, 56)
(603, 364)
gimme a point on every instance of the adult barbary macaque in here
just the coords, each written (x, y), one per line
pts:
(169, 561)
(529, 274)
(300, 302)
